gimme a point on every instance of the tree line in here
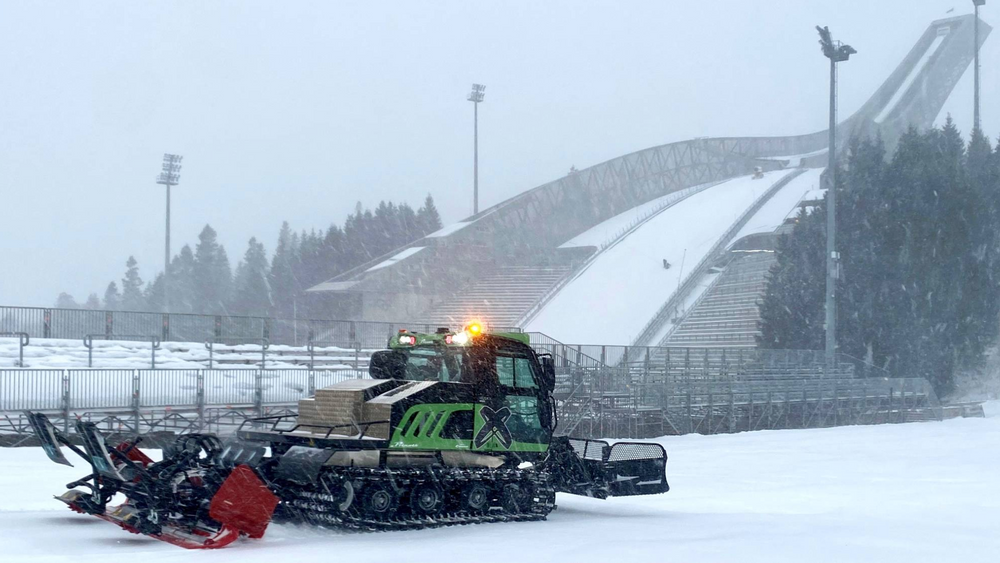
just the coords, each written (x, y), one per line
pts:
(203, 281)
(919, 286)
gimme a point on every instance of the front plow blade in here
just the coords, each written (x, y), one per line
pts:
(639, 468)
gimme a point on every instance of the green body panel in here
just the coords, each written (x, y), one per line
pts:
(494, 445)
(421, 426)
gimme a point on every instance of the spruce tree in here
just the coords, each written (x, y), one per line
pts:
(252, 295)
(427, 217)
(112, 299)
(132, 294)
(282, 275)
(212, 275)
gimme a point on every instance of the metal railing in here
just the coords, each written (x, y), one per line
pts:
(74, 324)
(23, 339)
(133, 393)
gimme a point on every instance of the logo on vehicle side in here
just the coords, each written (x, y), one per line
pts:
(494, 426)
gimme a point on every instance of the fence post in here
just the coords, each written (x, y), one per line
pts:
(258, 392)
(690, 423)
(312, 382)
(47, 323)
(200, 398)
(136, 390)
(211, 353)
(65, 400)
(89, 343)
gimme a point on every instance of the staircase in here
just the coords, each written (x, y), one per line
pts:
(727, 314)
(499, 298)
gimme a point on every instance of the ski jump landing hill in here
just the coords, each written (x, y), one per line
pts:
(663, 246)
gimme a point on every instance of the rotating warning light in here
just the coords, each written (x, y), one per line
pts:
(474, 328)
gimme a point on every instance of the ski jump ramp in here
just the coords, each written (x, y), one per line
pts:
(708, 180)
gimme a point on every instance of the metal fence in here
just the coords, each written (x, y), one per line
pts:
(142, 397)
(41, 322)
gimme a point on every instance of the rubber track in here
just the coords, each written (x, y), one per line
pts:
(320, 508)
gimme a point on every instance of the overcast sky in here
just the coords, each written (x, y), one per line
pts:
(297, 110)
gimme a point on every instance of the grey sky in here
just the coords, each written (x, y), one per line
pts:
(295, 110)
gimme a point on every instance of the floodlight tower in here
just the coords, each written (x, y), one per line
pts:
(170, 176)
(975, 110)
(837, 52)
(476, 97)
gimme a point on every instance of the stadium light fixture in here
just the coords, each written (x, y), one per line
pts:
(837, 52)
(476, 97)
(169, 176)
(975, 45)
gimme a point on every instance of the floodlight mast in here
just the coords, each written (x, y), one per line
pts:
(975, 108)
(476, 97)
(170, 176)
(837, 52)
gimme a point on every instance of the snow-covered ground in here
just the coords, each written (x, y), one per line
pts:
(894, 493)
(624, 286)
(60, 353)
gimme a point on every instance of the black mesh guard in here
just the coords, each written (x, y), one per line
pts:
(637, 469)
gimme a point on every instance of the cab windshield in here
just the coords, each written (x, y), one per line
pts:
(435, 364)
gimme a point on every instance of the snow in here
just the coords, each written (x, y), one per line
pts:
(616, 295)
(606, 232)
(773, 213)
(399, 257)
(910, 78)
(55, 353)
(911, 493)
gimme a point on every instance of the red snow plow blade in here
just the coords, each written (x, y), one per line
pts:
(198, 497)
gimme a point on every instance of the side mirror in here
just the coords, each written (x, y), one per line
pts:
(548, 373)
(387, 364)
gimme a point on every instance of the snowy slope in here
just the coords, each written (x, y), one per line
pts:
(607, 231)
(773, 213)
(620, 291)
(908, 493)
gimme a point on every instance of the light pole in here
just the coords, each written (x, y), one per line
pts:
(476, 97)
(837, 52)
(170, 176)
(975, 110)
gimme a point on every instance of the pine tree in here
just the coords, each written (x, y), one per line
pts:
(66, 301)
(427, 217)
(112, 299)
(183, 294)
(93, 302)
(212, 275)
(132, 295)
(282, 275)
(252, 295)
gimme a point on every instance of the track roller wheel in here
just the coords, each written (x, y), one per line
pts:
(379, 500)
(475, 498)
(516, 498)
(426, 499)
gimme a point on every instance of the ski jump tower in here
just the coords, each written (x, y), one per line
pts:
(504, 264)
